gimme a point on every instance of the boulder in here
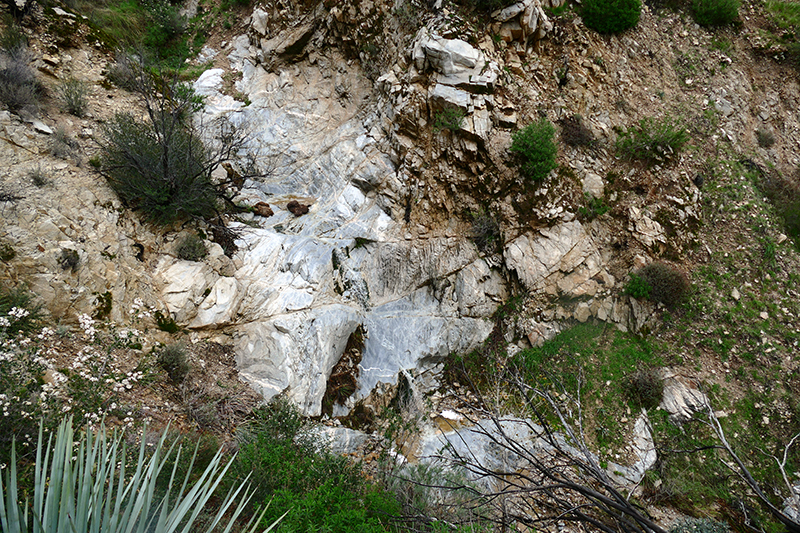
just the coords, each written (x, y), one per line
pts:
(682, 399)
(263, 209)
(296, 208)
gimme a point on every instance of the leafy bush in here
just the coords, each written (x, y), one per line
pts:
(594, 208)
(715, 12)
(611, 16)
(449, 118)
(291, 465)
(645, 387)
(653, 140)
(535, 149)
(73, 95)
(172, 358)
(165, 322)
(659, 282)
(191, 248)
(81, 485)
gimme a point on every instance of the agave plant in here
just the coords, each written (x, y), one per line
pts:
(91, 491)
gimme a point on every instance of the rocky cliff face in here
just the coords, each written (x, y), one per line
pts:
(341, 103)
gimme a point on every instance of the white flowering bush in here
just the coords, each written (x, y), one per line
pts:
(45, 376)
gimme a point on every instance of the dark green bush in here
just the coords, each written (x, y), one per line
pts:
(653, 140)
(659, 282)
(191, 248)
(535, 149)
(157, 168)
(715, 12)
(611, 16)
(172, 358)
(165, 322)
(291, 466)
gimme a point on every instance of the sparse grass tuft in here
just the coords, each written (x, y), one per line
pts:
(450, 118)
(73, 94)
(659, 282)
(653, 140)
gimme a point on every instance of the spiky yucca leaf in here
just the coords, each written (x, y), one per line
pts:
(89, 490)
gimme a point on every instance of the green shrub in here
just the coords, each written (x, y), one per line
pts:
(450, 118)
(172, 358)
(160, 166)
(191, 248)
(653, 140)
(659, 282)
(81, 485)
(594, 208)
(611, 16)
(535, 149)
(165, 322)
(73, 94)
(292, 467)
(715, 12)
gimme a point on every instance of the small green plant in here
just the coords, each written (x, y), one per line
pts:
(73, 94)
(191, 248)
(659, 282)
(535, 149)
(715, 12)
(82, 485)
(165, 322)
(653, 140)
(594, 208)
(611, 16)
(69, 259)
(172, 358)
(765, 138)
(7, 252)
(38, 177)
(449, 118)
